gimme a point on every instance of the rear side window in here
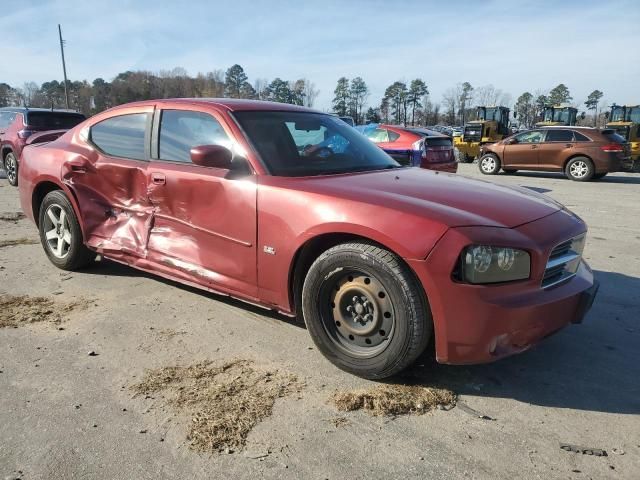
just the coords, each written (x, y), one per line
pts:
(614, 137)
(54, 120)
(122, 136)
(559, 136)
(378, 135)
(580, 137)
(438, 142)
(181, 130)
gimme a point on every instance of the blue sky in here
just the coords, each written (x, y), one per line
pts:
(516, 46)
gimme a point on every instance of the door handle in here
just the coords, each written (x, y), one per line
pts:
(569, 145)
(533, 147)
(158, 178)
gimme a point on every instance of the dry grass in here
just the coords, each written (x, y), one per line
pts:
(23, 309)
(11, 216)
(394, 400)
(224, 402)
(17, 241)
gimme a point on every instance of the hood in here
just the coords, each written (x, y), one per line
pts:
(452, 199)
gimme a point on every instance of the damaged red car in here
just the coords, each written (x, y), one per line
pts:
(294, 210)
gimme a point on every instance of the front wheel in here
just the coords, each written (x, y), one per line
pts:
(60, 233)
(489, 164)
(11, 168)
(365, 310)
(580, 169)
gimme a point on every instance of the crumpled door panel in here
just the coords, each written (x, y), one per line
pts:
(112, 197)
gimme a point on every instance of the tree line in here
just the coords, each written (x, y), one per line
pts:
(402, 103)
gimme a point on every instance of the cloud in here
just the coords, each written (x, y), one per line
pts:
(528, 46)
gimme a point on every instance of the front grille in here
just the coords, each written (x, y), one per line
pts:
(563, 261)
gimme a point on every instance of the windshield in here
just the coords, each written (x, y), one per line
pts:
(617, 114)
(305, 144)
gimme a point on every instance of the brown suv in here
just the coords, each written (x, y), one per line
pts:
(582, 153)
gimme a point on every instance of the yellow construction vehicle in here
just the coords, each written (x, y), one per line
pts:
(625, 120)
(491, 125)
(558, 115)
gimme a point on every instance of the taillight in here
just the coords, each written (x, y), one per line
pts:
(612, 147)
(23, 134)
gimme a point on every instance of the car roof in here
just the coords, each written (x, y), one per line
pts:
(230, 104)
(425, 131)
(564, 127)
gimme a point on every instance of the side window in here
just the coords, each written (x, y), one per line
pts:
(6, 119)
(181, 130)
(393, 136)
(580, 137)
(378, 135)
(559, 136)
(121, 136)
(534, 136)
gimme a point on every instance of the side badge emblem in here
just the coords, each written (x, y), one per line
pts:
(269, 250)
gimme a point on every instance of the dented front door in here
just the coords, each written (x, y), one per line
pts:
(204, 222)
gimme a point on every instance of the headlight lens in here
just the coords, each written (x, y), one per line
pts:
(488, 264)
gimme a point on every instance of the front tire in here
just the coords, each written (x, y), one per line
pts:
(489, 164)
(580, 169)
(365, 310)
(60, 233)
(11, 168)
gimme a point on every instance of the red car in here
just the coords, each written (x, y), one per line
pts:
(294, 210)
(19, 124)
(414, 146)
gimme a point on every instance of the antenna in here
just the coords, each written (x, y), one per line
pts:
(64, 67)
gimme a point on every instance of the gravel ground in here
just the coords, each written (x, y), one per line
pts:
(68, 410)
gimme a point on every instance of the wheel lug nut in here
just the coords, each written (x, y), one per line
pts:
(354, 299)
(349, 308)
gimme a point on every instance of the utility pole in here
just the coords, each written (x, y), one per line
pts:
(64, 67)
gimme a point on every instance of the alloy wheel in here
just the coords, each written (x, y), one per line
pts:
(488, 164)
(57, 231)
(579, 169)
(11, 168)
(357, 313)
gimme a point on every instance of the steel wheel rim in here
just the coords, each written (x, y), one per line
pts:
(11, 168)
(57, 231)
(357, 313)
(579, 169)
(488, 164)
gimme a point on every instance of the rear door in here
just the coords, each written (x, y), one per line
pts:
(110, 182)
(204, 224)
(558, 145)
(524, 152)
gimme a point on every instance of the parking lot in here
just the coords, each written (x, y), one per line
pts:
(68, 409)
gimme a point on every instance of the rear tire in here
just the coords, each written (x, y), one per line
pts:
(11, 168)
(365, 310)
(60, 233)
(489, 164)
(580, 169)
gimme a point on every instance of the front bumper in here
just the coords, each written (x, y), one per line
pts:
(483, 323)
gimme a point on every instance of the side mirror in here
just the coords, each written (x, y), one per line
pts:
(511, 141)
(213, 156)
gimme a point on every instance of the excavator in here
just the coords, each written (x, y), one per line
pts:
(491, 125)
(564, 115)
(625, 120)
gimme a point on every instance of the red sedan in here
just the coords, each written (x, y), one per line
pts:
(414, 146)
(294, 210)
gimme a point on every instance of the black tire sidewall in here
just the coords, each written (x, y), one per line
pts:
(77, 255)
(497, 167)
(589, 164)
(393, 358)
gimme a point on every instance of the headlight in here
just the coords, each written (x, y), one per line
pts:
(487, 264)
